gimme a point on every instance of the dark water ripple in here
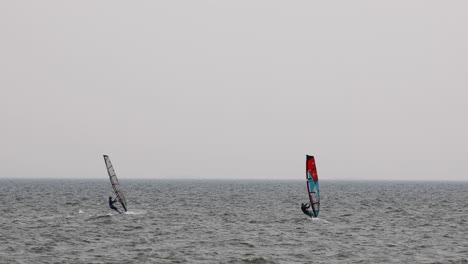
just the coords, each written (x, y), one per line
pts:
(68, 221)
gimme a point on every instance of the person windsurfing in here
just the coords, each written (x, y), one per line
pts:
(305, 207)
(111, 204)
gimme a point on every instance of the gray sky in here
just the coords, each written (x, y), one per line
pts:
(234, 89)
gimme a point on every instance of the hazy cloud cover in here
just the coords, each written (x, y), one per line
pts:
(234, 89)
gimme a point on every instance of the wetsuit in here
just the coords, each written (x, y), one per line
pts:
(111, 204)
(305, 209)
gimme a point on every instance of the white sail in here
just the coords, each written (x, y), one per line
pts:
(115, 183)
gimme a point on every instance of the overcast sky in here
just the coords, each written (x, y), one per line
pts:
(234, 89)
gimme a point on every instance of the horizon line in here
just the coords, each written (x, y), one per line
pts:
(233, 179)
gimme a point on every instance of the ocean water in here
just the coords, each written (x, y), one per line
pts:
(68, 221)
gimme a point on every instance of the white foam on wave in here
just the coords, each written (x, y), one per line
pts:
(316, 219)
(136, 212)
(80, 212)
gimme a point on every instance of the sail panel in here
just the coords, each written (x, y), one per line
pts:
(313, 185)
(115, 183)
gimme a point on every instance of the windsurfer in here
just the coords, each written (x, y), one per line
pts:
(305, 207)
(111, 204)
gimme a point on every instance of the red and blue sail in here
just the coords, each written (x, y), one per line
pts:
(313, 185)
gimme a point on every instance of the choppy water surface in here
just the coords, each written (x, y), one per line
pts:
(68, 221)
